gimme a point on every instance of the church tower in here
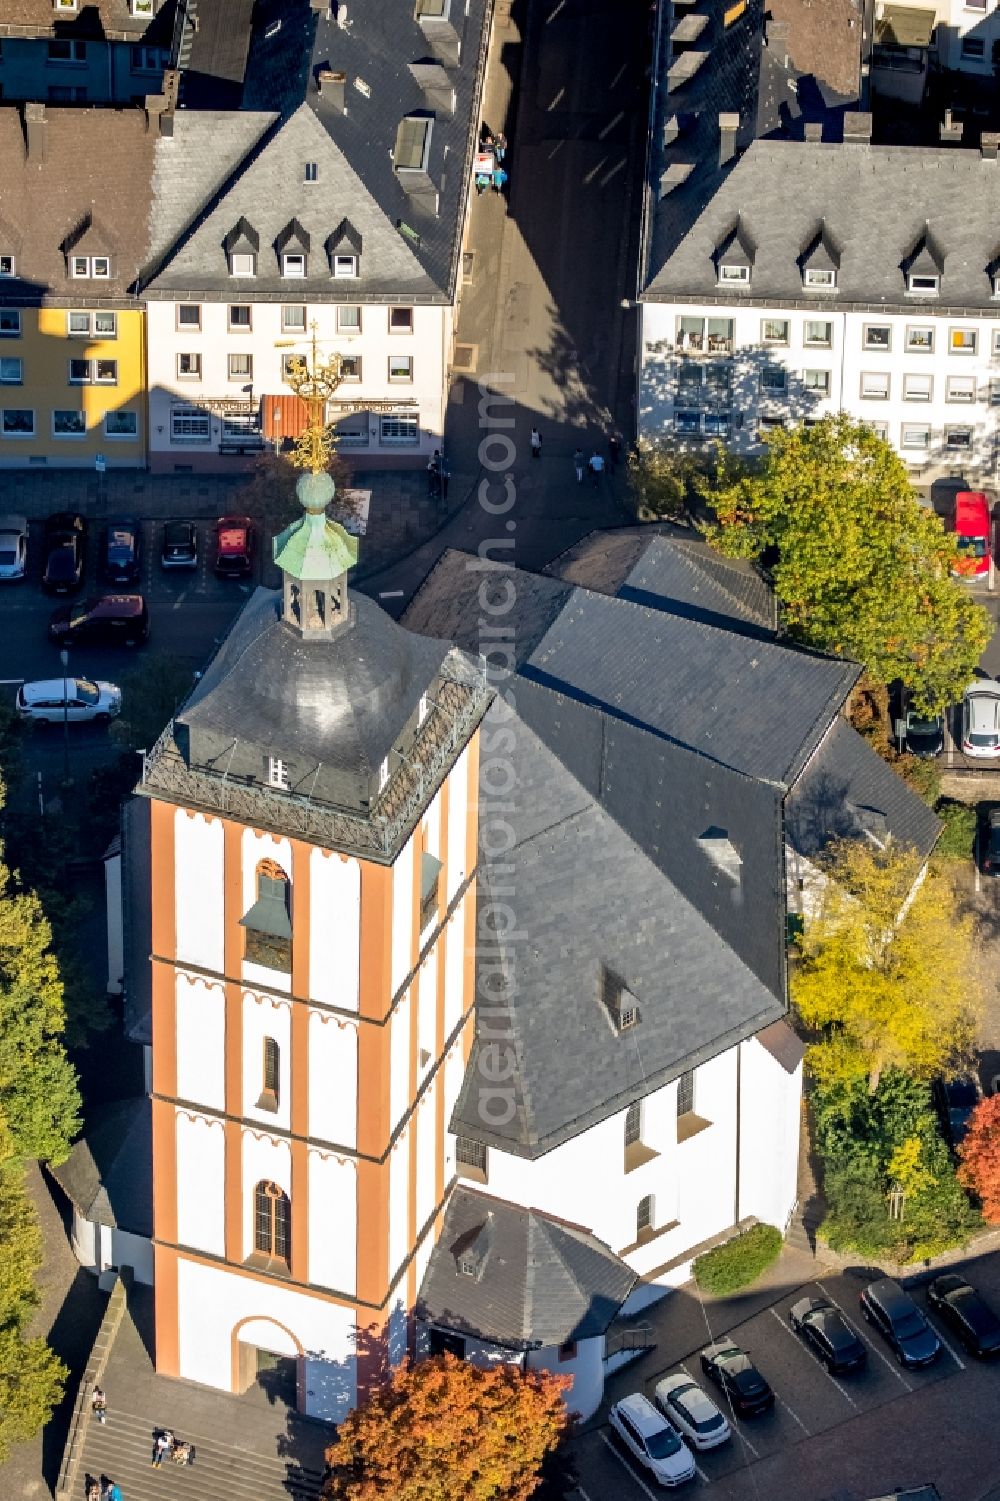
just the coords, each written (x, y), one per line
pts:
(312, 855)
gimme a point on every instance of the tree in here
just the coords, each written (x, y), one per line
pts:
(859, 566)
(151, 696)
(979, 1169)
(268, 493)
(666, 477)
(443, 1430)
(885, 967)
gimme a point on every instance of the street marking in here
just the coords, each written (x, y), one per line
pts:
(611, 125)
(870, 1343)
(699, 1471)
(618, 75)
(11, 682)
(801, 1343)
(390, 594)
(945, 1345)
(620, 1456)
(782, 1403)
(581, 1492)
(732, 1418)
(555, 99)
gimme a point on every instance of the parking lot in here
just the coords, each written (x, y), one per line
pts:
(828, 1438)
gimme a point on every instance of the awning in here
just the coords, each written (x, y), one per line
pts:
(284, 417)
(904, 26)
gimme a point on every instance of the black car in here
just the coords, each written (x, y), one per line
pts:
(112, 619)
(65, 550)
(989, 845)
(735, 1374)
(180, 545)
(956, 1099)
(900, 1322)
(828, 1334)
(924, 734)
(961, 1307)
(120, 560)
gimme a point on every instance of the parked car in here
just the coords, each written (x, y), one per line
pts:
(692, 1411)
(828, 1334)
(989, 843)
(964, 1311)
(13, 547)
(65, 551)
(972, 524)
(981, 718)
(653, 1440)
(111, 619)
(924, 734)
(898, 1319)
(735, 1374)
(235, 543)
(70, 699)
(179, 548)
(120, 557)
(956, 1099)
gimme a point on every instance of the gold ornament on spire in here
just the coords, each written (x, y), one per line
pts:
(315, 382)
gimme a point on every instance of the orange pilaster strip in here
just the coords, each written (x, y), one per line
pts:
(167, 1312)
(300, 1212)
(233, 899)
(234, 1191)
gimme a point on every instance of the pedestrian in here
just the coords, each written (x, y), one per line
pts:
(596, 467)
(114, 1493)
(614, 450)
(578, 465)
(183, 1453)
(486, 141)
(499, 180)
(92, 1488)
(434, 474)
(500, 146)
(483, 180)
(163, 1442)
(99, 1405)
(536, 443)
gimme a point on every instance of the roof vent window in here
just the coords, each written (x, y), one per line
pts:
(722, 852)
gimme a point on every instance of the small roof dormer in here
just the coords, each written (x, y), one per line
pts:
(242, 246)
(820, 261)
(342, 247)
(924, 266)
(291, 246)
(734, 256)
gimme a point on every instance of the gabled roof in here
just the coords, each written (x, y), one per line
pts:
(106, 1175)
(822, 252)
(736, 248)
(537, 1281)
(926, 258)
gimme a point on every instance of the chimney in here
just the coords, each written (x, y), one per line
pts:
(729, 124)
(322, 6)
(34, 132)
(333, 88)
(814, 130)
(671, 130)
(858, 127)
(989, 144)
(951, 130)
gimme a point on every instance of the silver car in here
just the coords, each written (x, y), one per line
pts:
(13, 547)
(692, 1411)
(981, 719)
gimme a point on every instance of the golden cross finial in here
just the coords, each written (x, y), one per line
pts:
(315, 383)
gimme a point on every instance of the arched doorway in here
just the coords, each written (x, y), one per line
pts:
(268, 1355)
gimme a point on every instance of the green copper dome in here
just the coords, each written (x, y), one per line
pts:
(315, 549)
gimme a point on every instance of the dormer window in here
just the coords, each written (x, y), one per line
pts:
(734, 257)
(924, 267)
(277, 773)
(621, 1005)
(312, 172)
(383, 775)
(923, 285)
(63, 7)
(817, 277)
(293, 265)
(292, 249)
(242, 245)
(413, 143)
(242, 263)
(90, 267)
(345, 265)
(995, 279)
(343, 248)
(142, 7)
(6, 265)
(734, 273)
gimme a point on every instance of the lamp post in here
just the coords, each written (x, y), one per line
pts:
(64, 659)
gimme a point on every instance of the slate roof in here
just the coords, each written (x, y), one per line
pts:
(212, 52)
(783, 1045)
(106, 1176)
(876, 201)
(538, 1281)
(847, 791)
(111, 19)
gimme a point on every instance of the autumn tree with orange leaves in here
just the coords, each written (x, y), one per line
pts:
(980, 1157)
(444, 1430)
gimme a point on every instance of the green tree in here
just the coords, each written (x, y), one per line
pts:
(885, 968)
(859, 566)
(268, 493)
(151, 696)
(665, 477)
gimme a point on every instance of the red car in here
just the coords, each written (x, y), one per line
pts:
(971, 524)
(235, 543)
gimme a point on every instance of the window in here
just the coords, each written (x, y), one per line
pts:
(189, 315)
(920, 339)
(147, 59)
(958, 437)
(66, 50)
(774, 331)
(189, 367)
(10, 323)
(413, 140)
(711, 335)
(189, 425)
(106, 372)
(399, 427)
(687, 422)
(345, 265)
(960, 388)
(78, 325)
(401, 320)
(352, 431)
(817, 278)
(400, 367)
(293, 265)
(239, 317)
(121, 424)
(633, 1124)
(267, 925)
(430, 888)
(923, 286)
(773, 378)
(106, 325)
(471, 1159)
(874, 386)
(270, 1075)
(817, 333)
(963, 340)
(716, 424)
(566, 1351)
(241, 367)
(876, 336)
(64, 93)
(734, 273)
(6, 265)
(880, 429)
(644, 1216)
(350, 367)
(141, 7)
(68, 424)
(79, 372)
(817, 380)
(349, 320)
(272, 1222)
(973, 48)
(277, 772)
(918, 387)
(685, 1093)
(11, 372)
(383, 774)
(996, 342)
(242, 263)
(291, 365)
(994, 393)
(311, 173)
(87, 267)
(293, 319)
(915, 435)
(17, 422)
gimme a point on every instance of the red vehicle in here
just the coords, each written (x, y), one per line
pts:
(971, 524)
(235, 542)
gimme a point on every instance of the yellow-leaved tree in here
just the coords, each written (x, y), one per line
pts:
(885, 973)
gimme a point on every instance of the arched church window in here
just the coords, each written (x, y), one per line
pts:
(272, 1216)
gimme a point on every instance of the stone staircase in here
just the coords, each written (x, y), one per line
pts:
(121, 1449)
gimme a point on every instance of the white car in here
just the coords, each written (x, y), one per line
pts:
(692, 1411)
(653, 1440)
(981, 719)
(68, 699)
(13, 547)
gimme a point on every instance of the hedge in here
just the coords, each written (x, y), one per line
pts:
(739, 1261)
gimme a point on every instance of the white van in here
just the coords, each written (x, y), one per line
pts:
(72, 699)
(653, 1440)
